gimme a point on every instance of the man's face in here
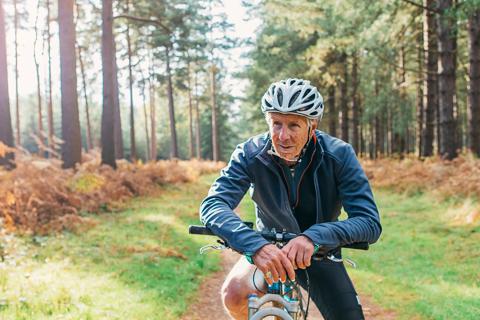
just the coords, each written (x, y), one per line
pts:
(289, 133)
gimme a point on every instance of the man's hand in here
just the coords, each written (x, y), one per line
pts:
(299, 251)
(274, 264)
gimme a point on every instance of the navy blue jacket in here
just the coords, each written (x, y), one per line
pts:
(339, 180)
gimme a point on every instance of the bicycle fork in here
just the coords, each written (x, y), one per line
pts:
(255, 303)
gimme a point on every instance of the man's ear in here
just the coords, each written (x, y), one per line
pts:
(314, 126)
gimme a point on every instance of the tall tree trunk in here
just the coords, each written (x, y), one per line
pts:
(190, 113)
(72, 145)
(133, 148)
(419, 84)
(50, 101)
(400, 135)
(379, 125)
(430, 85)
(39, 94)
(446, 79)
(420, 124)
(171, 109)
(438, 132)
(153, 121)
(147, 137)
(153, 126)
(213, 100)
(6, 132)
(378, 150)
(372, 150)
(332, 115)
(108, 140)
(389, 131)
(117, 125)
(197, 119)
(361, 127)
(355, 105)
(473, 111)
(85, 97)
(456, 107)
(344, 98)
(17, 103)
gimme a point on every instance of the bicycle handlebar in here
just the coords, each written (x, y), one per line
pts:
(272, 236)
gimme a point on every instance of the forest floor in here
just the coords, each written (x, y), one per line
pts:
(140, 263)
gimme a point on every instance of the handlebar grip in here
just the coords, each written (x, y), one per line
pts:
(358, 245)
(200, 230)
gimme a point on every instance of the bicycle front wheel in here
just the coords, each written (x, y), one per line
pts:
(266, 312)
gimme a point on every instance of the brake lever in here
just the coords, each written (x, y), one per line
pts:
(209, 247)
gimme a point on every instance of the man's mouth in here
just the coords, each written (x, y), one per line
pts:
(286, 148)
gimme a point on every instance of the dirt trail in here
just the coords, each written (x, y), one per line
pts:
(209, 306)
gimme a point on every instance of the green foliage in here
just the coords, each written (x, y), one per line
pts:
(135, 264)
(87, 182)
(310, 39)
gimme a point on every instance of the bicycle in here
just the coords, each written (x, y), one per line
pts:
(286, 298)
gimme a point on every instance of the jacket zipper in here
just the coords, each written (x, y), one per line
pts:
(286, 181)
(301, 177)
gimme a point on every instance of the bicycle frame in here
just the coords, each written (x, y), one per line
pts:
(283, 295)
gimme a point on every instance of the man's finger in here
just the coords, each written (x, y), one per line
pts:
(299, 259)
(273, 275)
(280, 269)
(307, 257)
(289, 267)
(292, 258)
(268, 277)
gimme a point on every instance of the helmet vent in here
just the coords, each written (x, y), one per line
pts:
(309, 99)
(273, 90)
(308, 106)
(280, 96)
(293, 98)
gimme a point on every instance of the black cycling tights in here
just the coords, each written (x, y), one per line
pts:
(332, 290)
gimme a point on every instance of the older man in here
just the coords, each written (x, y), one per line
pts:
(299, 179)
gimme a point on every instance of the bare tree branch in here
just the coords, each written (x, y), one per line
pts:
(146, 20)
(396, 66)
(421, 6)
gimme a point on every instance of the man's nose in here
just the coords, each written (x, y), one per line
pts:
(284, 134)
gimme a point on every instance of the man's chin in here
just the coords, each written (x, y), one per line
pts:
(288, 156)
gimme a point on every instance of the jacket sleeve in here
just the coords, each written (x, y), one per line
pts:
(216, 210)
(363, 223)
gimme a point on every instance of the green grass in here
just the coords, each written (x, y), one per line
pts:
(115, 270)
(423, 267)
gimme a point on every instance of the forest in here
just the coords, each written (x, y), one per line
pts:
(147, 80)
(116, 116)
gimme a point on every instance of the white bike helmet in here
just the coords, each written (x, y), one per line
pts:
(293, 96)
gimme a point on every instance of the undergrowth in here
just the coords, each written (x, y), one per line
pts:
(38, 196)
(457, 180)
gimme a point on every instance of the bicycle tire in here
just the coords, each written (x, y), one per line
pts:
(265, 312)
